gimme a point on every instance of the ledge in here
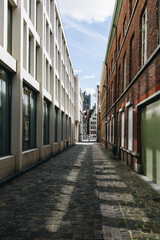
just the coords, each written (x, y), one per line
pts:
(7, 60)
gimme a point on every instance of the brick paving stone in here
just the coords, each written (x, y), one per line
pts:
(83, 193)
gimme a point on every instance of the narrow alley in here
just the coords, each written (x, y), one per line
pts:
(82, 193)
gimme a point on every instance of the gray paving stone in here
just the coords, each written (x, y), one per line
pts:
(83, 193)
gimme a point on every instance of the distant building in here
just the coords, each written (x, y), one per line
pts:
(78, 113)
(93, 123)
(98, 113)
(86, 101)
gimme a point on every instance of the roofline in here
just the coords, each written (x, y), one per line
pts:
(115, 18)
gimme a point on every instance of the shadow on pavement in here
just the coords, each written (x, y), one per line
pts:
(80, 194)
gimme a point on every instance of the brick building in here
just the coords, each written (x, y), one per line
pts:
(131, 80)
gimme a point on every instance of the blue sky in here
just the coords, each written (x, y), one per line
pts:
(87, 24)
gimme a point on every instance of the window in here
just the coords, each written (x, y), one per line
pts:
(118, 128)
(122, 129)
(5, 103)
(110, 131)
(62, 125)
(30, 9)
(36, 71)
(46, 114)
(130, 7)
(130, 128)
(124, 72)
(144, 36)
(30, 55)
(112, 65)
(119, 42)
(131, 61)
(113, 131)
(115, 55)
(119, 78)
(112, 93)
(9, 35)
(56, 125)
(124, 27)
(29, 118)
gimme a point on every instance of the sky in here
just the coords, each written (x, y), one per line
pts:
(87, 25)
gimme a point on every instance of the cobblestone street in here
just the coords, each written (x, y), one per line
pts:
(82, 193)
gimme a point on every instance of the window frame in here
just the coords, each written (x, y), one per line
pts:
(130, 128)
(122, 128)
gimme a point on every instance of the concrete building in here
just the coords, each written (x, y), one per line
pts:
(131, 80)
(37, 84)
(98, 113)
(93, 123)
(78, 112)
(80, 115)
(86, 101)
(85, 124)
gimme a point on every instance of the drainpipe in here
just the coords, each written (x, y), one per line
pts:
(115, 96)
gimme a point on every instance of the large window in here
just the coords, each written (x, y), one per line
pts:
(113, 131)
(130, 128)
(144, 36)
(9, 30)
(5, 103)
(46, 122)
(62, 126)
(112, 93)
(122, 129)
(124, 72)
(56, 125)
(29, 118)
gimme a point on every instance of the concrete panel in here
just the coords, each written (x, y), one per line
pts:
(7, 166)
(56, 147)
(30, 157)
(47, 151)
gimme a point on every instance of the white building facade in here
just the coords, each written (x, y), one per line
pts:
(93, 125)
(37, 84)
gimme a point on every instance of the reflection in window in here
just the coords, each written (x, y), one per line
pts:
(29, 118)
(5, 103)
(46, 122)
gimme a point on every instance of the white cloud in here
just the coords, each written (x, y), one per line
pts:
(89, 11)
(70, 23)
(90, 91)
(89, 77)
(77, 71)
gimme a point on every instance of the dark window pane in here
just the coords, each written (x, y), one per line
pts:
(46, 122)
(29, 118)
(5, 103)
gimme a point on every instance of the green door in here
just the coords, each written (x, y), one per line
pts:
(151, 141)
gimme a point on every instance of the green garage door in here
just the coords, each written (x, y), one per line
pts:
(151, 141)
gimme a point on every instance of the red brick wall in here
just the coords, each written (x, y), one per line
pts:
(147, 81)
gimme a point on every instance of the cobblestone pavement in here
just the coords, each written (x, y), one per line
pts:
(82, 193)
